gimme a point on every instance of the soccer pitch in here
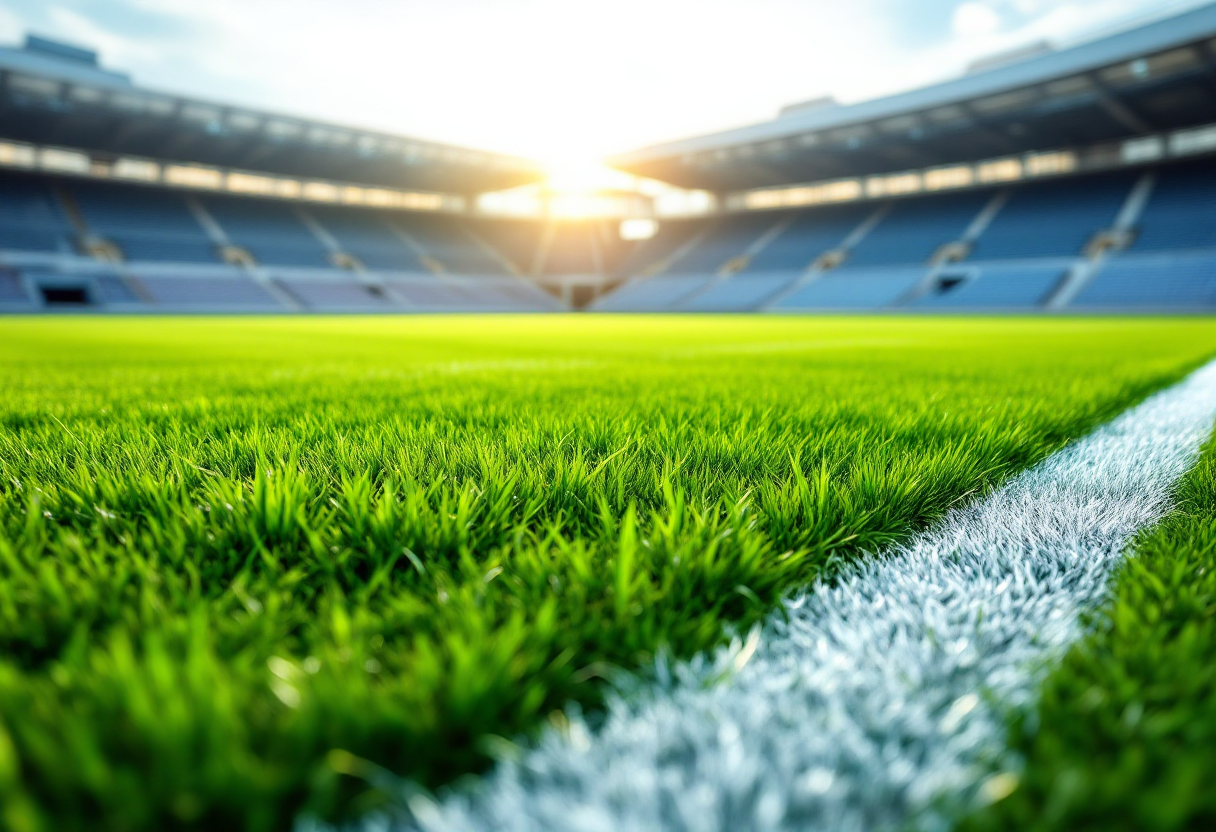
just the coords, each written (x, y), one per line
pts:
(246, 564)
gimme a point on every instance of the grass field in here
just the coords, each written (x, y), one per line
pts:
(244, 562)
(1124, 736)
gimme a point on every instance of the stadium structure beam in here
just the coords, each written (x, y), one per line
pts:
(1119, 110)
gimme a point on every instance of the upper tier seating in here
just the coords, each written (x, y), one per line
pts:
(743, 292)
(737, 262)
(448, 243)
(671, 237)
(1054, 219)
(855, 289)
(272, 232)
(369, 236)
(1181, 212)
(995, 286)
(729, 239)
(1171, 282)
(916, 228)
(145, 223)
(651, 294)
(30, 216)
(810, 234)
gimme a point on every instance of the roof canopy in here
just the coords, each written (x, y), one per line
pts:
(56, 94)
(1159, 77)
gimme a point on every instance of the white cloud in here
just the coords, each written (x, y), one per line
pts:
(975, 19)
(11, 29)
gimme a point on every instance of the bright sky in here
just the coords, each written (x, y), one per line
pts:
(563, 81)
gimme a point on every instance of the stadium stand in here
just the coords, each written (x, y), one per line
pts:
(145, 224)
(31, 219)
(855, 289)
(1001, 286)
(1176, 282)
(273, 233)
(1075, 179)
(914, 229)
(370, 237)
(1181, 213)
(1053, 219)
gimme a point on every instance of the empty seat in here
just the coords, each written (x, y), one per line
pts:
(30, 216)
(1181, 211)
(914, 229)
(1169, 282)
(339, 295)
(1053, 219)
(647, 254)
(12, 290)
(849, 288)
(724, 242)
(113, 289)
(369, 236)
(741, 293)
(809, 235)
(650, 294)
(273, 233)
(209, 293)
(994, 286)
(445, 240)
(146, 224)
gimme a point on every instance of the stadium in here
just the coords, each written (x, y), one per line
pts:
(1074, 179)
(848, 470)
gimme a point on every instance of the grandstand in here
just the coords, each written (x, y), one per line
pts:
(1079, 179)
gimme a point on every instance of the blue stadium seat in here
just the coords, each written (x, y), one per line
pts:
(669, 239)
(855, 288)
(113, 289)
(445, 240)
(653, 294)
(12, 291)
(1181, 212)
(368, 236)
(517, 240)
(725, 241)
(745, 291)
(145, 223)
(812, 233)
(916, 228)
(995, 286)
(337, 294)
(209, 293)
(1166, 282)
(270, 231)
(30, 216)
(1054, 219)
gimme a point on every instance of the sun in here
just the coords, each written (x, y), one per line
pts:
(583, 175)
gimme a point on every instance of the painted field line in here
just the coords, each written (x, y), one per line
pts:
(874, 703)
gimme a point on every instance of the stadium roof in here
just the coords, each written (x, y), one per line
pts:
(56, 94)
(1158, 77)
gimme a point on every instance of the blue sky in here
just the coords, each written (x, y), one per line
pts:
(565, 81)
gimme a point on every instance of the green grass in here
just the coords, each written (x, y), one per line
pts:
(244, 561)
(1124, 737)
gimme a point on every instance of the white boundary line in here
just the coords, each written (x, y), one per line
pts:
(873, 703)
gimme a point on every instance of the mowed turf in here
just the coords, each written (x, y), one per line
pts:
(1124, 734)
(246, 564)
